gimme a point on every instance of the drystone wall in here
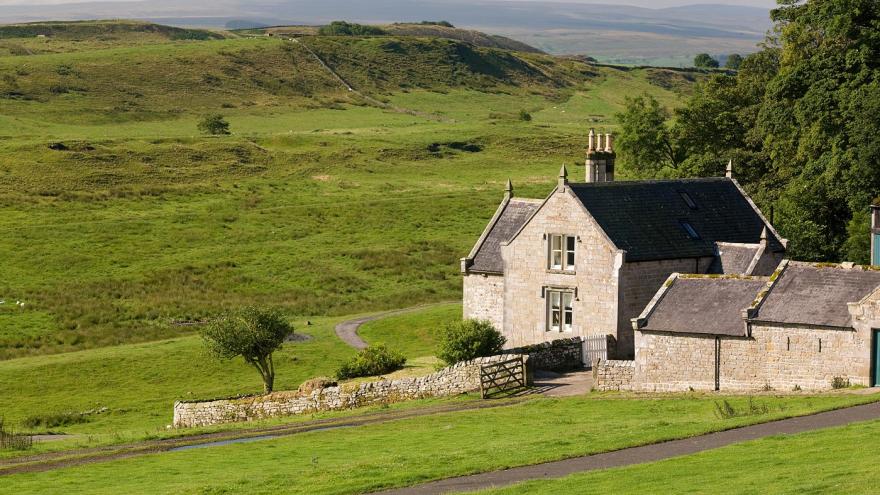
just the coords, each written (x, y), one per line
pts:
(457, 379)
(613, 375)
(557, 355)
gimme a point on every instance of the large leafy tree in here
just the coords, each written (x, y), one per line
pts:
(800, 119)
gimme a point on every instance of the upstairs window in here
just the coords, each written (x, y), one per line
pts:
(560, 314)
(562, 252)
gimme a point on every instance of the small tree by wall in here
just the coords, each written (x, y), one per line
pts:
(469, 339)
(252, 333)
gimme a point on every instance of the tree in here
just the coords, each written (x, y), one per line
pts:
(705, 61)
(646, 143)
(342, 28)
(469, 339)
(252, 333)
(214, 124)
(734, 60)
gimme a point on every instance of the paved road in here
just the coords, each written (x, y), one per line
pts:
(347, 330)
(647, 453)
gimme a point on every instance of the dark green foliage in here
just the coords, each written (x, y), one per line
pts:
(799, 120)
(705, 61)
(252, 333)
(437, 23)
(342, 28)
(525, 116)
(372, 361)
(54, 420)
(734, 61)
(646, 140)
(214, 124)
(468, 339)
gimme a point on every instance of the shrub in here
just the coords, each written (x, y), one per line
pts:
(54, 420)
(839, 382)
(214, 124)
(342, 28)
(372, 361)
(469, 339)
(525, 116)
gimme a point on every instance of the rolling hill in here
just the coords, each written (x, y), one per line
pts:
(121, 222)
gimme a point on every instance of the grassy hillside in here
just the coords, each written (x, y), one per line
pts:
(61, 37)
(120, 219)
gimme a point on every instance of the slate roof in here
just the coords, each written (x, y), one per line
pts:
(734, 258)
(487, 259)
(704, 305)
(645, 218)
(813, 294)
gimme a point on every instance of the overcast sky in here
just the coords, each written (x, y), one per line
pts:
(640, 3)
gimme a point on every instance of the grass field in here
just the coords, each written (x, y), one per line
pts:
(835, 460)
(414, 334)
(413, 450)
(119, 220)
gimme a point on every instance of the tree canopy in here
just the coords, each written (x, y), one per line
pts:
(704, 60)
(800, 119)
(252, 333)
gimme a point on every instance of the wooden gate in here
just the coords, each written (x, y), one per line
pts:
(503, 377)
(595, 347)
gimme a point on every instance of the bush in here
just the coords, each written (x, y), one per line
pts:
(525, 116)
(469, 339)
(342, 28)
(54, 420)
(372, 361)
(214, 124)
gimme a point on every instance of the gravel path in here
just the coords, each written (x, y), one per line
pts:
(644, 454)
(347, 330)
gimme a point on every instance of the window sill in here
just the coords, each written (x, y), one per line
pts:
(558, 271)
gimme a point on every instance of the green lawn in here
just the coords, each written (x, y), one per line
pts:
(138, 383)
(416, 450)
(834, 460)
(414, 334)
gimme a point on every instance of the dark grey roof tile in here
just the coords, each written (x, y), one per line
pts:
(487, 259)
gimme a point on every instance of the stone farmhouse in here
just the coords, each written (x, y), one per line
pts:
(808, 326)
(590, 256)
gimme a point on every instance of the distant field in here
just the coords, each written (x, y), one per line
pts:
(121, 220)
(835, 460)
(404, 452)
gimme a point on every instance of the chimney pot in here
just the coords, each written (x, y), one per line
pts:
(608, 143)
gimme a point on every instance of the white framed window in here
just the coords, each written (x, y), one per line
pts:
(560, 314)
(561, 254)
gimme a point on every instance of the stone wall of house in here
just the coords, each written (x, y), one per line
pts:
(613, 375)
(484, 298)
(777, 357)
(457, 379)
(639, 281)
(557, 355)
(527, 276)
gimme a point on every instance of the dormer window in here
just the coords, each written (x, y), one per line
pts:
(689, 230)
(562, 252)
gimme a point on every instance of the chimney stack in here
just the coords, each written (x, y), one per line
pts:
(600, 158)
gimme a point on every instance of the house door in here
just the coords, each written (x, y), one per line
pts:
(875, 357)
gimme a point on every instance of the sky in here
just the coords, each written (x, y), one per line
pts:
(638, 3)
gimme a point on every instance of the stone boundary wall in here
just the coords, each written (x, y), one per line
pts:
(557, 355)
(613, 375)
(456, 379)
